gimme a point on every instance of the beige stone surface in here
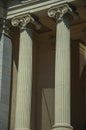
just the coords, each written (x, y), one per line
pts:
(24, 82)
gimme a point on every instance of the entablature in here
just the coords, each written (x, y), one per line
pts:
(39, 9)
(40, 6)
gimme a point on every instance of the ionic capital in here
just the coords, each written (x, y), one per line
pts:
(22, 21)
(59, 11)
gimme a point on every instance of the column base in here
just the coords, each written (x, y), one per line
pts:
(62, 127)
(22, 129)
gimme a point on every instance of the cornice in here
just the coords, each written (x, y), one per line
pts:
(27, 8)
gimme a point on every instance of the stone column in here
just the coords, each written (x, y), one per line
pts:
(24, 83)
(5, 76)
(62, 68)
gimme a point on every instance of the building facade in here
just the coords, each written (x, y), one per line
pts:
(43, 65)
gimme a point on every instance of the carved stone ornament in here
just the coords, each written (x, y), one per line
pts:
(59, 11)
(22, 21)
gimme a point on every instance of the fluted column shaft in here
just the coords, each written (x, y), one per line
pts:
(23, 101)
(62, 73)
(24, 82)
(62, 69)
